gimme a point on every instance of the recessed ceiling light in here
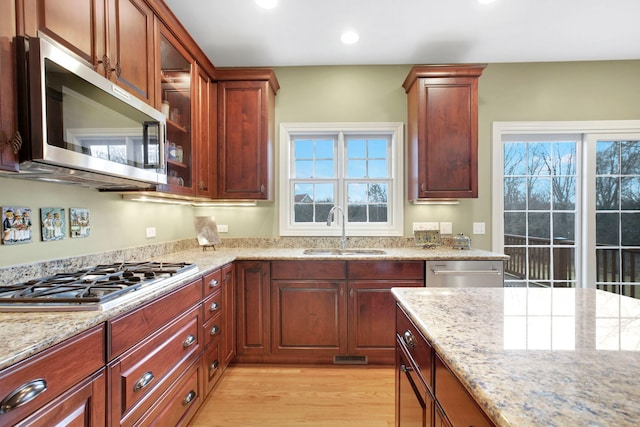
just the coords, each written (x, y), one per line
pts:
(267, 4)
(350, 37)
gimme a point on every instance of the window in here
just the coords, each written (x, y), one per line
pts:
(567, 204)
(356, 166)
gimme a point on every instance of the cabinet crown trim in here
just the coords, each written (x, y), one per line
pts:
(442, 70)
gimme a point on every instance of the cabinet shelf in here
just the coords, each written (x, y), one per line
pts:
(177, 164)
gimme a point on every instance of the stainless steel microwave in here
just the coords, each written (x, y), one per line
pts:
(79, 127)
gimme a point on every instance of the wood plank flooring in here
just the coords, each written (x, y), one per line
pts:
(287, 396)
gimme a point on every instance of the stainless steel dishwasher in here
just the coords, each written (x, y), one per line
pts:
(465, 274)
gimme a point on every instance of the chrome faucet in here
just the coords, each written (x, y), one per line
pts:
(343, 242)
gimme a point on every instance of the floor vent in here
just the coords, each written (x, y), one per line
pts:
(350, 360)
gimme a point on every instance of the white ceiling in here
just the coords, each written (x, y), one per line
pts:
(307, 32)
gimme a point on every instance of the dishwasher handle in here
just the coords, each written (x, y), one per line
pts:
(459, 272)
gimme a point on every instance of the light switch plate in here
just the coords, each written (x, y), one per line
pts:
(479, 228)
(223, 228)
(150, 232)
(446, 228)
(420, 226)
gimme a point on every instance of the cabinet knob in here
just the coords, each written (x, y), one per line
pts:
(189, 398)
(423, 187)
(213, 283)
(22, 395)
(144, 381)
(189, 341)
(214, 306)
(409, 340)
(405, 368)
(262, 188)
(214, 330)
(214, 365)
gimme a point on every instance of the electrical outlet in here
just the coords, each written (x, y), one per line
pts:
(446, 228)
(151, 232)
(223, 228)
(478, 228)
(425, 226)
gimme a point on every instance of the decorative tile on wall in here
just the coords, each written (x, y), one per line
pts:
(16, 225)
(80, 222)
(53, 224)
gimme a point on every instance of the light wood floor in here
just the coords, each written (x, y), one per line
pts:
(284, 396)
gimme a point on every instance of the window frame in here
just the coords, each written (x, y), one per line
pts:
(589, 131)
(395, 224)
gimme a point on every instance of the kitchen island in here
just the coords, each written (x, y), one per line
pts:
(533, 357)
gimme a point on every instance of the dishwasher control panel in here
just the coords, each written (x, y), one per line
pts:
(465, 274)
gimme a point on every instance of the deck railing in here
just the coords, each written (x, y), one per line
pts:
(539, 264)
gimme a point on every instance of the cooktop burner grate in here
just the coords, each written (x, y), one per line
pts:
(90, 286)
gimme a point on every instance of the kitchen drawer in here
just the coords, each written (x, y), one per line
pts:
(459, 407)
(416, 347)
(316, 270)
(134, 326)
(73, 360)
(391, 270)
(212, 283)
(146, 370)
(212, 364)
(213, 304)
(178, 405)
(212, 328)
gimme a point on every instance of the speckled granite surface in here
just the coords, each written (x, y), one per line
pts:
(24, 334)
(538, 357)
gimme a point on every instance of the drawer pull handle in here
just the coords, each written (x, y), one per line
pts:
(214, 365)
(144, 381)
(213, 283)
(189, 398)
(409, 340)
(214, 306)
(214, 330)
(23, 394)
(189, 341)
(405, 368)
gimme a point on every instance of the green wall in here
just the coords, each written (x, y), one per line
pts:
(608, 90)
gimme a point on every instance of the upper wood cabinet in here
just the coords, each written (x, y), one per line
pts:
(246, 104)
(179, 96)
(442, 132)
(10, 140)
(115, 37)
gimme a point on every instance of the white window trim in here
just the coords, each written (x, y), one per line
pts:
(588, 129)
(395, 226)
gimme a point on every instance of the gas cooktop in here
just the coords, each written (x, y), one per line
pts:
(93, 288)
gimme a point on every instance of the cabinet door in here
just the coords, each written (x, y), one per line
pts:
(229, 302)
(253, 317)
(205, 153)
(308, 317)
(372, 318)
(9, 138)
(82, 405)
(245, 150)
(131, 47)
(78, 25)
(177, 93)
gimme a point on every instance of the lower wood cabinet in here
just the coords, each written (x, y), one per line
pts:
(320, 311)
(153, 347)
(427, 392)
(56, 385)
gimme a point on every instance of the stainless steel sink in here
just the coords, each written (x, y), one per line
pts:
(344, 252)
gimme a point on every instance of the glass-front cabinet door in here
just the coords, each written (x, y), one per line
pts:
(176, 95)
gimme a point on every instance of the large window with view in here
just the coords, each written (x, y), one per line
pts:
(353, 166)
(567, 205)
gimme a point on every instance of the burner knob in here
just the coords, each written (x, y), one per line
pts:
(149, 274)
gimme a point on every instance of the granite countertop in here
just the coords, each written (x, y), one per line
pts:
(533, 357)
(24, 334)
